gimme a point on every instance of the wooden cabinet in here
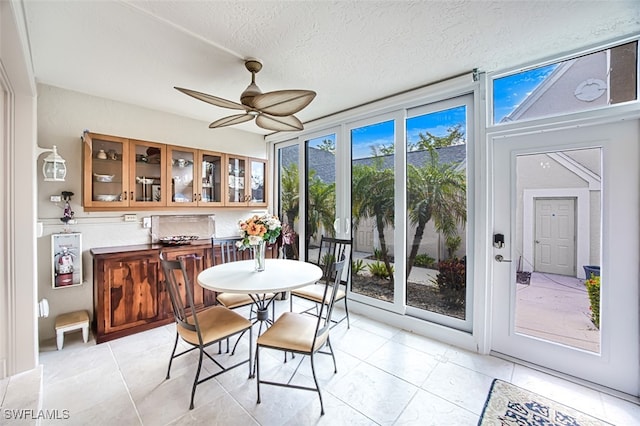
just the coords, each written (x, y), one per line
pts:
(121, 174)
(127, 296)
(245, 181)
(129, 292)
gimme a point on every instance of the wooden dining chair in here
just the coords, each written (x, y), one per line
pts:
(331, 250)
(200, 329)
(302, 334)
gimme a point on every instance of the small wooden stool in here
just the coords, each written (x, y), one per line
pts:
(72, 321)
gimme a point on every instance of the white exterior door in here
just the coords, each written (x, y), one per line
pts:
(598, 166)
(555, 236)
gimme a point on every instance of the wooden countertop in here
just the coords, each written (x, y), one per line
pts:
(97, 251)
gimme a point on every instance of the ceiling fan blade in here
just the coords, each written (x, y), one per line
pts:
(210, 99)
(279, 124)
(283, 102)
(231, 120)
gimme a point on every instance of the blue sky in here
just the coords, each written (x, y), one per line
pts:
(510, 91)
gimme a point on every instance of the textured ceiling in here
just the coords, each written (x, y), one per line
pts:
(349, 52)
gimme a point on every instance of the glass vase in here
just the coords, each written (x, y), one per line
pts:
(259, 252)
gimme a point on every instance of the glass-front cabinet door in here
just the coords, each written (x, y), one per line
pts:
(106, 179)
(210, 179)
(257, 182)
(246, 181)
(148, 174)
(182, 171)
(235, 181)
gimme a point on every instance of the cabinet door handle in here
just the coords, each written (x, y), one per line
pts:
(131, 195)
(125, 195)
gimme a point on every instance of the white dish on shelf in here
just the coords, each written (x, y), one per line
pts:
(106, 197)
(103, 178)
(144, 181)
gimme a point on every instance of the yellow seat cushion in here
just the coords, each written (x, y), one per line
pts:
(315, 292)
(293, 332)
(216, 323)
(72, 318)
(233, 300)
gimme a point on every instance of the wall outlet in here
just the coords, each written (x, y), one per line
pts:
(146, 222)
(56, 198)
(130, 218)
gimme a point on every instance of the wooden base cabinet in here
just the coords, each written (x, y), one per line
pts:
(129, 291)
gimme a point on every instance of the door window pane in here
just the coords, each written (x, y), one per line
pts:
(320, 187)
(289, 199)
(372, 205)
(558, 215)
(437, 212)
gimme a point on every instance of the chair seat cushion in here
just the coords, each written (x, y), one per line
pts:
(315, 292)
(233, 300)
(216, 323)
(293, 332)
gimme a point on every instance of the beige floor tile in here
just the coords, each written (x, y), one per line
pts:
(373, 392)
(459, 385)
(426, 409)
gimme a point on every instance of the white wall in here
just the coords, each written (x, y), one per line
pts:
(62, 117)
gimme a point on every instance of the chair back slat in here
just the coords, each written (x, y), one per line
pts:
(184, 312)
(331, 288)
(229, 252)
(333, 250)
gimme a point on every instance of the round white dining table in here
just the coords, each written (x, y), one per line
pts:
(241, 277)
(279, 275)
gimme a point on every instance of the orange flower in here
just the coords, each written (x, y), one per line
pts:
(256, 229)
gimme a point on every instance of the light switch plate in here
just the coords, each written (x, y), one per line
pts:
(130, 218)
(56, 198)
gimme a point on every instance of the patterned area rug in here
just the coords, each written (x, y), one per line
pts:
(508, 404)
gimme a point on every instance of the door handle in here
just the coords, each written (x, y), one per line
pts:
(336, 225)
(500, 258)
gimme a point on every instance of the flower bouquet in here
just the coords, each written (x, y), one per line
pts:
(256, 232)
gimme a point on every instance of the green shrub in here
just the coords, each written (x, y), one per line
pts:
(593, 289)
(424, 261)
(377, 254)
(379, 269)
(357, 266)
(452, 281)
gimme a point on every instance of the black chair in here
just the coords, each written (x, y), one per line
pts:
(331, 250)
(200, 329)
(303, 334)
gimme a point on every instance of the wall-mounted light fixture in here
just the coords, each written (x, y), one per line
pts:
(53, 168)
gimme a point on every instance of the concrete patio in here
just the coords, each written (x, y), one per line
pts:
(556, 308)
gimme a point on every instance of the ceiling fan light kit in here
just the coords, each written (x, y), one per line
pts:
(272, 110)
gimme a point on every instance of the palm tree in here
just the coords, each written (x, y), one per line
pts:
(435, 192)
(289, 194)
(372, 195)
(321, 206)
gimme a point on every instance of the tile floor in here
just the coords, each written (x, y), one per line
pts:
(386, 376)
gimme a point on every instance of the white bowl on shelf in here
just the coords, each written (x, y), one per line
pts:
(103, 178)
(106, 197)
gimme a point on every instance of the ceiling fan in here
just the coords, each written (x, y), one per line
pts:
(272, 110)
